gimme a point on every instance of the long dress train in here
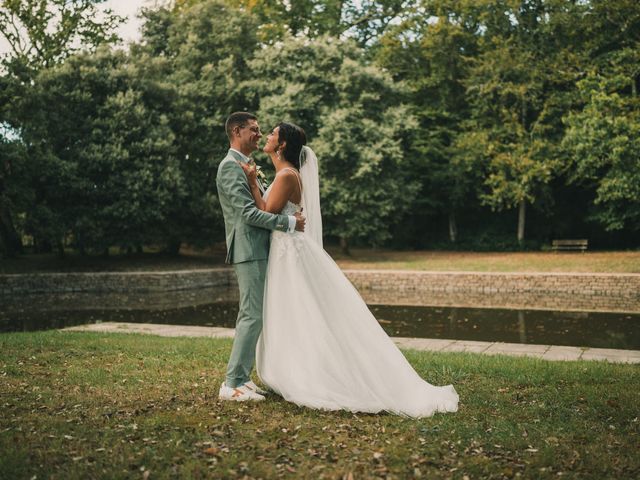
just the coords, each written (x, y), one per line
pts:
(322, 348)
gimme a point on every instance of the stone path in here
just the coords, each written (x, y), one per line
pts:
(546, 352)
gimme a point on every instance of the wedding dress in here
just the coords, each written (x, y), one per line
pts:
(320, 346)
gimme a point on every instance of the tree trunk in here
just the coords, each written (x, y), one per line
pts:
(453, 228)
(173, 247)
(10, 240)
(521, 218)
(344, 245)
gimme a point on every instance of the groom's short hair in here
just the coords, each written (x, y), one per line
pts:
(237, 119)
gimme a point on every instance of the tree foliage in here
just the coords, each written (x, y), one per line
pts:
(423, 113)
(43, 33)
(352, 112)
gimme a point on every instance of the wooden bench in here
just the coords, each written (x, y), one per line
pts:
(569, 245)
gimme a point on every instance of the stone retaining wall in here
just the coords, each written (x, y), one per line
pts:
(115, 282)
(541, 291)
(546, 291)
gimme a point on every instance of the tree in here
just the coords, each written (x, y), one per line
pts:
(362, 20)
(604, 142)
(11, 194)
(517, 88)
(108, 173)
(354, 118)
(43, 33)
(40, 34)
(201, 50)
(429, 50)
(602, 129)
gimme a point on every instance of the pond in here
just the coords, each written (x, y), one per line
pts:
(583, 329)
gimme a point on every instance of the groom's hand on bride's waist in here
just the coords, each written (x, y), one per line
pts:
(300, 221)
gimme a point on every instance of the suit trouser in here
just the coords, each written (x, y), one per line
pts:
(251, 276)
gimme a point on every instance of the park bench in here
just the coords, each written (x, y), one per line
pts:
(569, 245)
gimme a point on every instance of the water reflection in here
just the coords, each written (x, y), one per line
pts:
(583, 329)
(587, 329)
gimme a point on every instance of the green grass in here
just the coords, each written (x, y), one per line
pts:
(85, 405)
(614, 262)
(588, 262)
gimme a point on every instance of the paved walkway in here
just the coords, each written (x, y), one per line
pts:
(546, 352)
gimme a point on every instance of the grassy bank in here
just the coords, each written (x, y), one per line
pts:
(588, 262)
(602, 262)
(81, 405)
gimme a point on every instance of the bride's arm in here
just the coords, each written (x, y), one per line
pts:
(283, 185)
(252, 177)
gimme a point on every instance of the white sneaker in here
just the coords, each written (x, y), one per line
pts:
(255, 388)
(238, 394)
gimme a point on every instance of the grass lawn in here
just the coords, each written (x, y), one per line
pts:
(86, 405)
(604, 262)
(613, 262)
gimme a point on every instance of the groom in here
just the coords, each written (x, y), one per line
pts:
(247, 233)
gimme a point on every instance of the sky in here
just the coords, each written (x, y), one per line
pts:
(125, 8)
(128, 8)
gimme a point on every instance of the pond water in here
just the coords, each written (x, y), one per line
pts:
(583, 329)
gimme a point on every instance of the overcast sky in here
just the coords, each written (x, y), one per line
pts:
(125, 8)
(128, 8)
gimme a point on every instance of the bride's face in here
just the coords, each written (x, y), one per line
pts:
(272, 141)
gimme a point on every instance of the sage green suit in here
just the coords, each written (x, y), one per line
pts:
(247, 234)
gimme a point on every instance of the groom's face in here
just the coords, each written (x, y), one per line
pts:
(250, 135)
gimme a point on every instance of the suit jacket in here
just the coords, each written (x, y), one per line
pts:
(247, 228)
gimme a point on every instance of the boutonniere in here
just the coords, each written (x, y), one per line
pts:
(260, 174)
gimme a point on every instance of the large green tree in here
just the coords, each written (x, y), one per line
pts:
(430, 51)
(604, 143)
(40, 34)
(43, 33)
(518, 87)
(362, 20)
(107, 168)
(603, 134)
(202, 49)
(353, 114)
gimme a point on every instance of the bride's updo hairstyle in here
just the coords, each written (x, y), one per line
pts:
(295, 138)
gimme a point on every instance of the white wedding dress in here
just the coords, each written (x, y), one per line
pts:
(320, 345)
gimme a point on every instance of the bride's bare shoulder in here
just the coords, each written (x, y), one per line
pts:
(287, 177)
(287, 181)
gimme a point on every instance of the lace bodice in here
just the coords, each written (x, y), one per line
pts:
(290, 208)
(283, 242)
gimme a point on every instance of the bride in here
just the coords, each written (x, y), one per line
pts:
(320, 345)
